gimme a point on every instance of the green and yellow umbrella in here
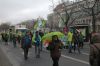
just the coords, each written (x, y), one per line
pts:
(48, 37)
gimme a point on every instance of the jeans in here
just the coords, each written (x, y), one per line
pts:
(55, 61)
(26, 53)
(14, 44)
(70, 46)
(77, 45)
(37, 50)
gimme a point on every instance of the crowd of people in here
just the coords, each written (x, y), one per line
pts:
(77, 39)
(25, 41)
(72, 40)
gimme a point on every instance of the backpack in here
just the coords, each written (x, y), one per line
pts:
(27, 40)
(97, 56)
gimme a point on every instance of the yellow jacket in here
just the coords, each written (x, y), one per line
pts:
(70, 36)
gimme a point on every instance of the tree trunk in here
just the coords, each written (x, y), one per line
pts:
(93, 21)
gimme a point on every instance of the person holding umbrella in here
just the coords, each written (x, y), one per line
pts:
(54, 47)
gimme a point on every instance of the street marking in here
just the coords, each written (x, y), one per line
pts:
(85, 53)
(81, 61)
(75, 58)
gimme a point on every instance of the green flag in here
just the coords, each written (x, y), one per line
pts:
(36, 25)
(43, 23)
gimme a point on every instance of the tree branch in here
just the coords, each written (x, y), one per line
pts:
(60, 16)
(87, 3)
(96, 1)
(67, 15)
(74, 20)
(86, 11)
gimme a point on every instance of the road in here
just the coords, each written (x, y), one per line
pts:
(15, 56)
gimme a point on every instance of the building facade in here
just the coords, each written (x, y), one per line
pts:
(83, 20)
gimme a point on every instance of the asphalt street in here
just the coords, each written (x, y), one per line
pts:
(15, 56)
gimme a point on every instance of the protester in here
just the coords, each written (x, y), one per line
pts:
(41, 35)
(31, 34)
(81, 40)
(10, 37)
(76, 41)
(90, 37)
(2, 35)
(69, 38)
(26, 44)
(64, 41)
(37, 41)
(94, 57)
(19, 39)
(14, 39)
(54, 47)
(6, 37)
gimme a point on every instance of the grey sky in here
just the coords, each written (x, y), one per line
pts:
(18, 10)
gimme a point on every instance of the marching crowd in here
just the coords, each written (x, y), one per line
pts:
(72, 40)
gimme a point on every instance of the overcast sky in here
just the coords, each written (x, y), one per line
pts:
(15, 11)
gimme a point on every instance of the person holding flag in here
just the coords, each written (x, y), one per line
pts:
(37, 41)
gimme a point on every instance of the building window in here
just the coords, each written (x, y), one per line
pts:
(87, 21)
(83, 22)
(77, 22)
(90, 20)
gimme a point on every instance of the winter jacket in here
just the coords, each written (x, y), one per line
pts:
(26, 42)
(81, 38)
(70, 36)
(54, 48)
(36, 40)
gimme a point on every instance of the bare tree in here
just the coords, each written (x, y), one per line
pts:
(4, 26)
(70, 15)
(92, 8)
